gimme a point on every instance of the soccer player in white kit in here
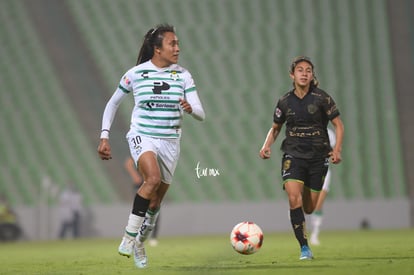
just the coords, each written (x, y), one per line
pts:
(163, 91)
(317, 215)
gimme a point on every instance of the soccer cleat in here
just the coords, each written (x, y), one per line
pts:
(140, 257)
(127, 245)
(305, 253)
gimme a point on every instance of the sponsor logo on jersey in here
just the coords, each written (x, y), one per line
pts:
(144, 74)
(151, 105)
(165, 105)
(160, 86)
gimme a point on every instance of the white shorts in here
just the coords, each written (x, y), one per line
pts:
(327, 181)
(166, 150)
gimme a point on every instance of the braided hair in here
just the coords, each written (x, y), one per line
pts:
(153, 39)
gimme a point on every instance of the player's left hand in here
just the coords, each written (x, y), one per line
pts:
(335, 157)
(185, 106)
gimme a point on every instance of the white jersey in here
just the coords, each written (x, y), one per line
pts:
(157, 91)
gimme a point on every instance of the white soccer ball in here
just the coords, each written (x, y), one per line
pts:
(246, 238)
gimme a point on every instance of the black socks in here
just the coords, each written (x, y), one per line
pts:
(140, 206)
(297, 218)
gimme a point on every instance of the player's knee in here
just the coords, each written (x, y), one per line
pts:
(152, 183)
(308, 210)
(295, 201)
(155, 203)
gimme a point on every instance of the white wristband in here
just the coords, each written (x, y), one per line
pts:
(105, 133)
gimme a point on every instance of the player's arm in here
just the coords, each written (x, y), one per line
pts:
(132, 171)
(335, 155)
(104, 148)
(271, 136)
(192, 105)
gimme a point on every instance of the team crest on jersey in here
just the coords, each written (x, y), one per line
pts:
(286, 164)
(174, 75)
(278, 112)
(126, 80)
(137, 149)
(312, 108)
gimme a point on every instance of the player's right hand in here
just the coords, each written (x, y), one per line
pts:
(104, 149)
(265, 153)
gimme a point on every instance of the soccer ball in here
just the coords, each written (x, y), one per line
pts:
(246, 238)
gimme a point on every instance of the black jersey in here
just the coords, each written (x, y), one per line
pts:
(306, 123)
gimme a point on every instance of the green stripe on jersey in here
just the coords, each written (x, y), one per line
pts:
(123, 89)
(161, 118)
(159, 109)
(193, 89)
(156, 78)
(159, 126)
(163, 93)
(158, 134)
(160, 101)
(146, 71)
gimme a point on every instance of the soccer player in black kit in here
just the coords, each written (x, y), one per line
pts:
(306, 110)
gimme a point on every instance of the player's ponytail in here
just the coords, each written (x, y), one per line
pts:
(147, 49)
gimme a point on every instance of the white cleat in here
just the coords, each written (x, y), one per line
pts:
(127, 245)
(140, 257)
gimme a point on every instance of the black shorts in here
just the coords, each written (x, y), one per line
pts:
(311, 172)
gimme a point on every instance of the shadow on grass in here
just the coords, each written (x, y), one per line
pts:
(243, 267)
(348, 258)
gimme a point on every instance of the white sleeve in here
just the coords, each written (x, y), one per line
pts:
(198, 111)
(192, 97)
(110, 111)
(332, 137)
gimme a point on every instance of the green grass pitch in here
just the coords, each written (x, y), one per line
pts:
(341, 252)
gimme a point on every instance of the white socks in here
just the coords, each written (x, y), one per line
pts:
(316, 221)
(148, 224)
(134, 223)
